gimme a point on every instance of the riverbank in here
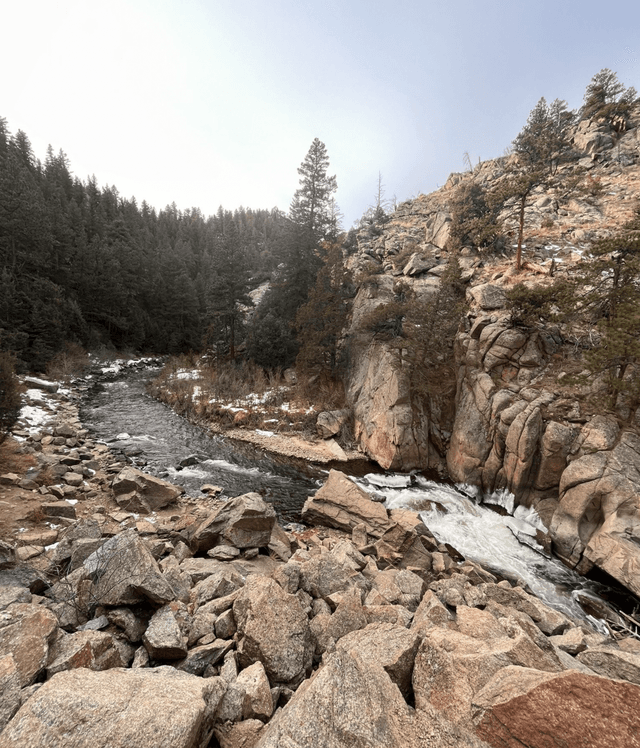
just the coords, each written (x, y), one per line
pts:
(269, 415)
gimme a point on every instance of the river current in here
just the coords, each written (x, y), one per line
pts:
(118, 411)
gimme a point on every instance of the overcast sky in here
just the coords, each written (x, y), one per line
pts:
(216, 102)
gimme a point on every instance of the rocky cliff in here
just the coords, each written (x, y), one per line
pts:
(516, 424)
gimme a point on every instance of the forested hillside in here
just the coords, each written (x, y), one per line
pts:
(80, 263)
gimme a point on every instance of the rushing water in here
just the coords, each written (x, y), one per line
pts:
(117, 409)
(502, 544)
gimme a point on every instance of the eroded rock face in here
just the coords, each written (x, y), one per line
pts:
(118, 708)
(599, 511)
(587, 476)
(391, 429)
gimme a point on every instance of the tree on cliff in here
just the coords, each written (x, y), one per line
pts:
(537, 151)
(602, 296)
(608, 100)
(612, 280)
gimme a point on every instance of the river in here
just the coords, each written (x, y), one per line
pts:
(118, 411)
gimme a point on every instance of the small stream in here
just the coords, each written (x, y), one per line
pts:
(118, 411)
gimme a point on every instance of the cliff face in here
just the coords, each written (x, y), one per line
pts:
(514, 424)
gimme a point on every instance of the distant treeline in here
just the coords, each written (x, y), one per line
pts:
(79, 263)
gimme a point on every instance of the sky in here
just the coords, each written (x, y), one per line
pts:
(216, 102)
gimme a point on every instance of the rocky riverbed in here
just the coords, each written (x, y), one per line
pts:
(133, 615)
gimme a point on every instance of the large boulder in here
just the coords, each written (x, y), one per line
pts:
(136, 491)
(9, 689)
(124, 572)
(244, 522)
(451, 667)
(273, 629)
(391, 646)
(349, 702)
(95, 650)
(140, 708)
(330, 422)
(530, 709)
(340, 503)
(163, 638)
(27, 633)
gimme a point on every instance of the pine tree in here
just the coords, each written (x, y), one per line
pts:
(228, 293)
(537, 150)
(313, 217)
(608, 100)
(321, 320)
(311, 208)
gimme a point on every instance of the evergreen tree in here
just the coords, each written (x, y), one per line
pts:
(537, 150)
(322, 319)
(228, 293)
(312, 218)
(608, 100)
(311, 208)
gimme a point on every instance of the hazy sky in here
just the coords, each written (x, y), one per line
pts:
(216, 102)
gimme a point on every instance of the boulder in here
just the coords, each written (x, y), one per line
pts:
(136, 491)
(330, 422)
(272, 629)
(14, 594)
(451, 667)
(221, 583)
(88, 649)
(391, 646)
(244, 734)
(340, 503)
(328, 629)
(7, 555)
(9, 689)
(244, 522)
(125, 572)
(27, 633)
(529, 709)
(487, 296)
(163, 638)
(140, 708)
(612, 663)
(324, 575)
(352, 703)
(257, 702)
(200, 658)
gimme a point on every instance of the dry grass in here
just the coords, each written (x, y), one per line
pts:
(69, 363)
(244, 396)
(12, 459)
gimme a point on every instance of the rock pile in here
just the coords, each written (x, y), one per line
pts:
(219, 628)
